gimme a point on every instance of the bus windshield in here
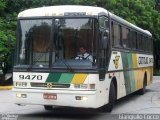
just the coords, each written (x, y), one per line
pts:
(56, 42)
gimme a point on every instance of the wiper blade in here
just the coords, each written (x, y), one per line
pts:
(67, 65)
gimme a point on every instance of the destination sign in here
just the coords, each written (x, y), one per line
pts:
(74, 13)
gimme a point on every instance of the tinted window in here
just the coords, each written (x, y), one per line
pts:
(34, 42)
(116, 35)
(139, 41)
(125, 37)
(134, 39)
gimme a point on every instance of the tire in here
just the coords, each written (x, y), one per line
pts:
(112, 98)
(47, 107)
(143, 90)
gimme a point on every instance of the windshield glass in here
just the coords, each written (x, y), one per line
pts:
(34, 42)
(58, 43)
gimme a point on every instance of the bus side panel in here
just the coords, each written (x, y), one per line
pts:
(145, 66)
(115, 70)
(138, 73)
(133, 66)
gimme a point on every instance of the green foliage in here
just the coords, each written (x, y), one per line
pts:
(2, 5)
(156, 72)
(143, 13)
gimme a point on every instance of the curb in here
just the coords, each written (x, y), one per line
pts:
(6, 87)
(156, 78)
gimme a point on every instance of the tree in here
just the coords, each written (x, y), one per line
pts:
(143, 13)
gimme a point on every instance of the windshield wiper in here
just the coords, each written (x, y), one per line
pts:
(67, 65)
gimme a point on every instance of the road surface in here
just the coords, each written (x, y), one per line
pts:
(141, 106)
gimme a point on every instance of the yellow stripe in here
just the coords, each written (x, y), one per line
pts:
(6, 87)
(136, 72)
(79, 78)
(134, 58)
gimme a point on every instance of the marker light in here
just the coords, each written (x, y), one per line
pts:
(82, 98)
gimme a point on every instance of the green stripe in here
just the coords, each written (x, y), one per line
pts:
(53, 77)
(126, 73)
(66, 78)
(131, 73)
(125, 60)
(132, 81)
(130, 63)
(127, 82)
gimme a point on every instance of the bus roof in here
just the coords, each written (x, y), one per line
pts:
(60, 10)
(88, 10)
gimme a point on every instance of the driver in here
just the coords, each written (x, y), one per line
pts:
(84, 55)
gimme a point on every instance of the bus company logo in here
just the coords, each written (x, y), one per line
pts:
(116, 61)
(49, 85)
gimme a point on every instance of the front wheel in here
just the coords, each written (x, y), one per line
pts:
(112, 97)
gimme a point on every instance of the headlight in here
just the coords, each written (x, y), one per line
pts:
(20, 84)
(19, 95)
(84, 86)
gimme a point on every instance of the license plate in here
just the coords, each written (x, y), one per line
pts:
(50, 96)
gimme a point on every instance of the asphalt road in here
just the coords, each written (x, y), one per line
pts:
(134, 106)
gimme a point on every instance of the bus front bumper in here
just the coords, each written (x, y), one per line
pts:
(70, 98)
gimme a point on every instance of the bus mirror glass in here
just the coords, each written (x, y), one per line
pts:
(104, 40)
(104, 43)
(102, 74)
(101, 67)
(57, 22)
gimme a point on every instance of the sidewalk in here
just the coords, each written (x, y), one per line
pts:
(156, 77)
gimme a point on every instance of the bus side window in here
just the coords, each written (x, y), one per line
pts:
(139, 41)
(116, 35)
(125, 37)
(134, 39)
(149, 48)
(144, 43)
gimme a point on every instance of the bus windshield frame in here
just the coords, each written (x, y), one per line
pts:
(54, 42)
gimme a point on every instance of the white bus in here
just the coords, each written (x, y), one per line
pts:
(47, 73)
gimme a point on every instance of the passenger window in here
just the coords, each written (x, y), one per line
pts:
(116, 35)
(134, 39)
(139, 41)
(125, 37)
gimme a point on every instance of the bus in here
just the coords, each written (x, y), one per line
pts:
(46, 72)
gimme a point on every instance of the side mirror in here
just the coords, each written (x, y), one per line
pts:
(102, 70)
(104, 40)
(102, 73)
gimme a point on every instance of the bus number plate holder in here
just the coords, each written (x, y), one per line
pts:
(50, 96)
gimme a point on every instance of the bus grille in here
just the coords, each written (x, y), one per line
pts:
(50, 85)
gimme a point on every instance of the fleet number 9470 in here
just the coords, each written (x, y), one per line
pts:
(30, 77)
